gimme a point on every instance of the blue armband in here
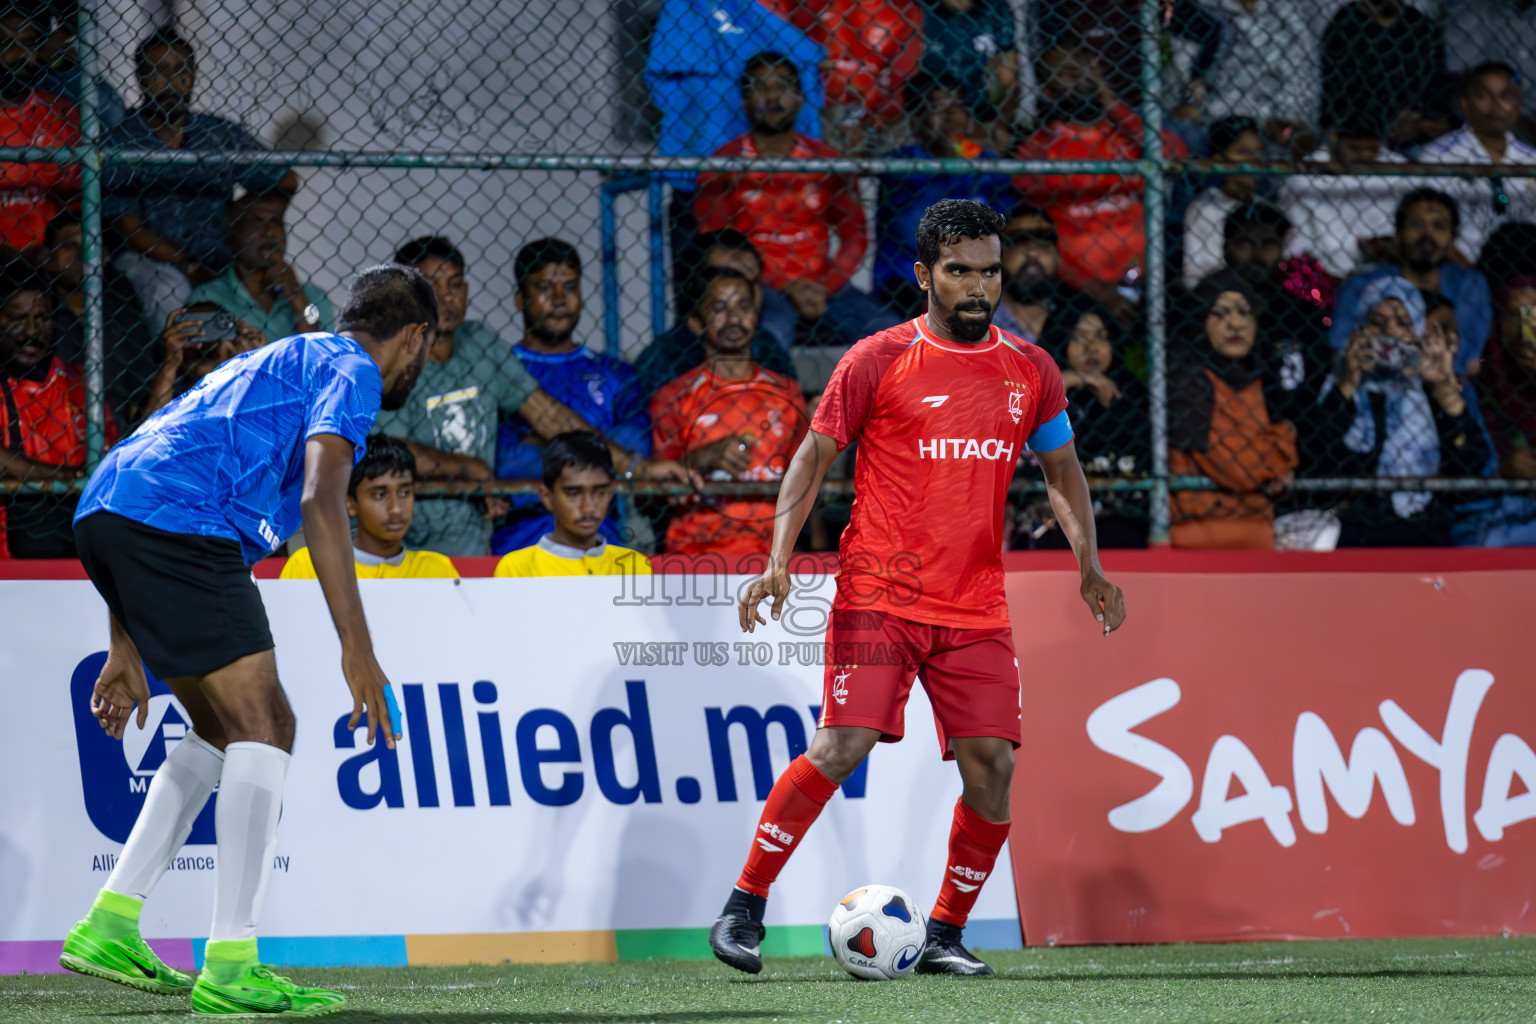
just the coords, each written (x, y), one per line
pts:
(1052, 435)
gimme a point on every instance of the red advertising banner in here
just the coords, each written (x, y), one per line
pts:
(1277, 755)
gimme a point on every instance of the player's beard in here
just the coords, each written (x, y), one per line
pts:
(969, 329)
(396, 396)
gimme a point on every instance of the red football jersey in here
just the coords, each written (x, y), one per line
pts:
(698, 409)
(32, 194)
(941, 427)
(791, 218)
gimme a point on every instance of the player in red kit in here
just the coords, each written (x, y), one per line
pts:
(942, 407)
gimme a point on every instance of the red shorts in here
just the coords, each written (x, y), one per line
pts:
(971, 676)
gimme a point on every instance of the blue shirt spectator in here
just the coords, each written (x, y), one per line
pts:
(1426, 226)
(598, 390)
(942, 124)
(697, 54)
(972, 42)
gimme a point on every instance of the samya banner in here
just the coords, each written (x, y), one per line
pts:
(1278, 755)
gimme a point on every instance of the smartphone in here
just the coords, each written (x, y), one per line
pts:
(214, 326)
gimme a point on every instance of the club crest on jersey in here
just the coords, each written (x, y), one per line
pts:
(1016, 405)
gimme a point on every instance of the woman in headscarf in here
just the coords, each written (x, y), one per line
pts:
(1395, 408)
(1108, 409)
(1219, 425)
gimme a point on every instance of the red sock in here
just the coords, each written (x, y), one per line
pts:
(973, 845)
(793, 806)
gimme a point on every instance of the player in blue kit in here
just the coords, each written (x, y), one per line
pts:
(167, 529)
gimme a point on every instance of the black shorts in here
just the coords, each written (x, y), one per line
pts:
(188, 602)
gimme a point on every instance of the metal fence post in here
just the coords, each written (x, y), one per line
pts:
(91, 240)
(1154, 286)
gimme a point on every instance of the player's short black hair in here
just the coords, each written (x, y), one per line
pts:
(429, 247)
(1228, 130)
(1426, 195)
(386, 299)
(65, 218)
(383, 456)
(19, 275)
(708, 276)
(580, 449)
(167, 37)
(1259, 214)
(950, 220)
(766, 60)
(541, 253)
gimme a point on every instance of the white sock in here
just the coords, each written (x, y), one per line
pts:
(176, 796)
(250, 796)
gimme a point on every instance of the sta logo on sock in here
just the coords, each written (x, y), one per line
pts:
(116, 773)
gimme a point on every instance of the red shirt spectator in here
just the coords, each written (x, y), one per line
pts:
(791, 218)
(30, 193)
(701, 411)
(42, 419)
(873, 47)
(1100, 220)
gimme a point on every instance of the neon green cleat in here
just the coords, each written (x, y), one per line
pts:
(260, 993)
(122, 957)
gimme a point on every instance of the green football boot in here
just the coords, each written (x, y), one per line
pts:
(119, 954)
(257, 992)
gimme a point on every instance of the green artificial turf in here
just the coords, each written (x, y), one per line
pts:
(1375, 981)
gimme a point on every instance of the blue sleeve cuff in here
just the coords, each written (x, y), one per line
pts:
(1052, 435)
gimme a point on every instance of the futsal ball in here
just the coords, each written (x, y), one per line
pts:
(877, 933)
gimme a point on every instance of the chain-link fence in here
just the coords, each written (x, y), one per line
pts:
(1283, 253)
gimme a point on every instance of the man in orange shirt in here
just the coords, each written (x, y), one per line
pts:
(1099, 218)
(793, 219)
(31, 194)
(42, 419)
(727, 419)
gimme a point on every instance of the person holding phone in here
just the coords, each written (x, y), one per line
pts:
(1394, 407)
(197, 339)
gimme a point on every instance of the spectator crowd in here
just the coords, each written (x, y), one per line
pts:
(1353, 319)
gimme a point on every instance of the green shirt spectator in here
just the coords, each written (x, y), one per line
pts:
(455, 408)
(260, 287)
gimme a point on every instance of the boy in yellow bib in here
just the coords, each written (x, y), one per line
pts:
(577, 489)
(382, 498)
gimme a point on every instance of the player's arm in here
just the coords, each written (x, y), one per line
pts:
(797, 495)
(1073, 505)
(328, 531)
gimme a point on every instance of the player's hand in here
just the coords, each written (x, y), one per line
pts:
(1105, 601)
(366, 681)
(775, 584)
(120, 686)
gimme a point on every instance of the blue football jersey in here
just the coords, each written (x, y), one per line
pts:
(226, 459)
